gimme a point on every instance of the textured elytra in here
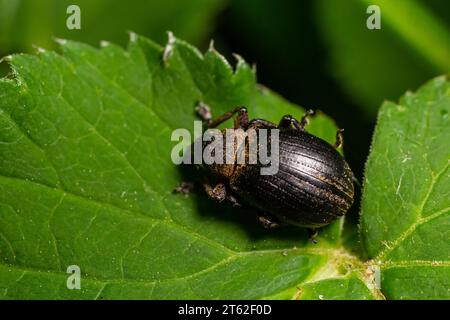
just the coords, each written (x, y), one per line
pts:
(312, 187)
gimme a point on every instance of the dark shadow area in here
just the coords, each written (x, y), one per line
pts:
(5, 69)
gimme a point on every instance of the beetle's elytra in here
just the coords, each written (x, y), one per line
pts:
(313, 185)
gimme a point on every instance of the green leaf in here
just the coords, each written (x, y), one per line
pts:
(27, 22)
(350, 288)
(406, 200)
(412, 46)
(86, 179)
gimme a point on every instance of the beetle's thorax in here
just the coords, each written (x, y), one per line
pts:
(235, 154)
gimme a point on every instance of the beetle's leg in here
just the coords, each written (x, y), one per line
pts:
(240, 122)
(305, 119)
(234, 201)
(268, 223)
(312, 234)
(286, 121)
(184, 188)
(218, 193)
(289, 120)
(339, 138)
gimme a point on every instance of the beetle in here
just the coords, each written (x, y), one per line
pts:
(313, 185)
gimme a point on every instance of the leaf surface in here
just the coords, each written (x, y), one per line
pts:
(87, 180)
(405, 211)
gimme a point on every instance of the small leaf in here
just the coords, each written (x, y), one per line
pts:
(406, 200)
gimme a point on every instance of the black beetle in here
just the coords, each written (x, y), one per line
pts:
(313, 186)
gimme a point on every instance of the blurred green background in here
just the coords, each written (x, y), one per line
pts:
(316, 53)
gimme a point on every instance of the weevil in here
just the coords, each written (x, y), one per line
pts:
(313, 185)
